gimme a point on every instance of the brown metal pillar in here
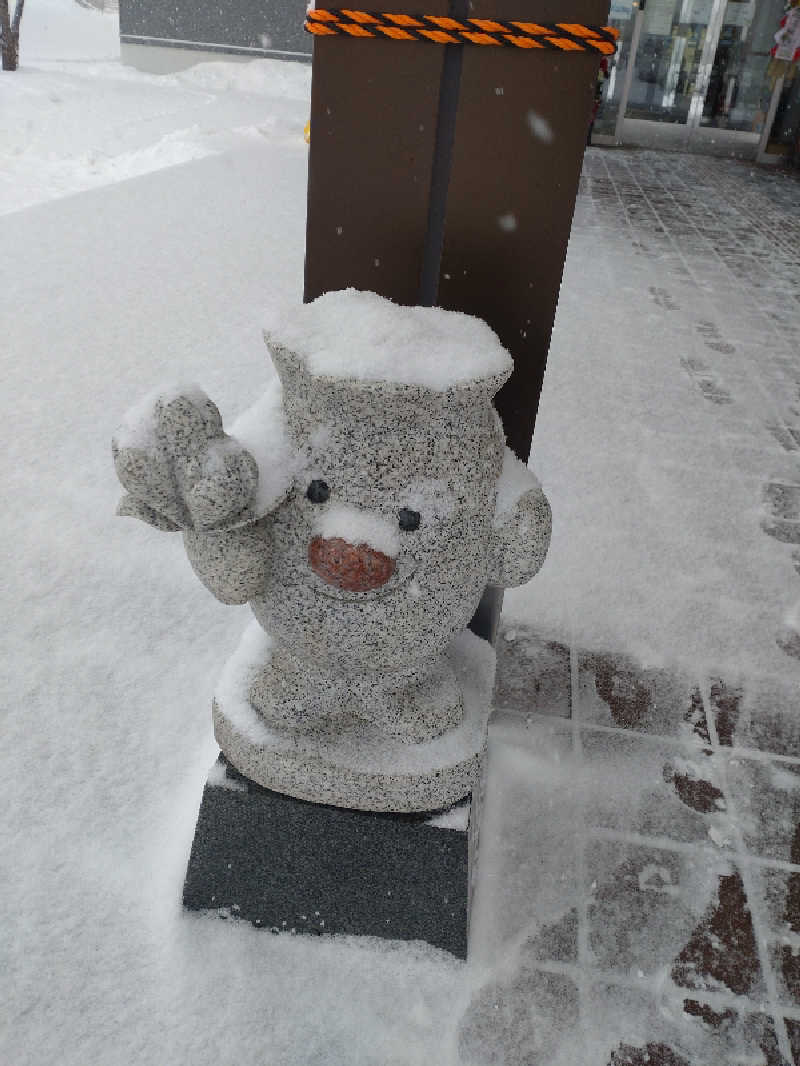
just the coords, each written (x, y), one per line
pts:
(519, 144)
(373, 129)
(450, 179)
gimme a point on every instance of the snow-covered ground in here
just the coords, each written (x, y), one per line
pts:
(150, 225)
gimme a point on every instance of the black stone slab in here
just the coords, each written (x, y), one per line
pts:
(287, 865)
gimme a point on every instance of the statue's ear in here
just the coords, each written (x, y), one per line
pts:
(520, 539)
(286, 362)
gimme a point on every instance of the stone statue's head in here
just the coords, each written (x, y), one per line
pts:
(389, 523)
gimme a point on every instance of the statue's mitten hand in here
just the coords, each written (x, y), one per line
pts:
(218, 485)
(146, 473)
(178, 465)
(185, 422)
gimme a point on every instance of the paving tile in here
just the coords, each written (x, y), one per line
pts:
(721, 951)
(711, 1018)
(650, 1054)
(642, 1027)
(528, 857)
(719, 234)
(776, 896)
(760, 1036)
(793, 1032)
(556, 941)
(644, 904)
(782, 500)
(614, 691)
(765, 796)
(533, 674)
(784, 958)
(655, 788)
(725, 703)
(547, 736)
(762, 714)
(520, 1019)
(631, 1022)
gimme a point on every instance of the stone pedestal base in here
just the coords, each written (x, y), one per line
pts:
(288, 865)
(352, 764)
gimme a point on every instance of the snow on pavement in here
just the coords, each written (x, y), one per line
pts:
(156, 223)
(74, 118)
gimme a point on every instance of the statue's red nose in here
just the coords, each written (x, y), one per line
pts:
(355, 568)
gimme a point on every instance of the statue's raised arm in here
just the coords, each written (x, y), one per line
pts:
(181, 471)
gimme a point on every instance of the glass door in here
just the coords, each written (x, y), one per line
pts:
(668, 67)
(738, 92)
(622, 18)
(685, 66)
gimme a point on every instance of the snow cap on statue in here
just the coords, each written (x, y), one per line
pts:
(346, 347)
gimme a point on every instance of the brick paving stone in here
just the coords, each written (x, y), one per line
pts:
(725, 702)
(636, 1022)
(783, 500)
(518, 1022)
(556, 941)
(760, 1036)
(784, 958)
(657, 789)
(550, 736)
(698, 793)
(721, 951)
(614, 691)
(650, 1055)
(761, 714)
(533, 674)
(766, 797)
(715, 234)
(715, 1019)
(642, 905)
(776, 894)
(793, 1032)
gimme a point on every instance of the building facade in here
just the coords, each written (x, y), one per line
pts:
(700, 73)
(688, 74)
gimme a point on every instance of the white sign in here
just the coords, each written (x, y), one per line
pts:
(787, 39)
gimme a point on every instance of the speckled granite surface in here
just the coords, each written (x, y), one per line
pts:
(392, 502)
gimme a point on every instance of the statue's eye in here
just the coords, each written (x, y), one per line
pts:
(408, 520)
(318, 491)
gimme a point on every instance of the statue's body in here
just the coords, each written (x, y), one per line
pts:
(362, 535)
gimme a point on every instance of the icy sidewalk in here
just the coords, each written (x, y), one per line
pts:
(643, 839)
(670, 418)
(657, 917)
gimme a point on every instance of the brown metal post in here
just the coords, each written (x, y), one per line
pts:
(519, 146)
(373, 130)
(393, 187)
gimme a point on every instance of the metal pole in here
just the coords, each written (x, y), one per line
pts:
(638, 19)
(777, 89)
(442, 162)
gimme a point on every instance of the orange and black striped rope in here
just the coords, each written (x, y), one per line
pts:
(440, 29)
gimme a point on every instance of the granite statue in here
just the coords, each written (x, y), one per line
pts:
(359, 508)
